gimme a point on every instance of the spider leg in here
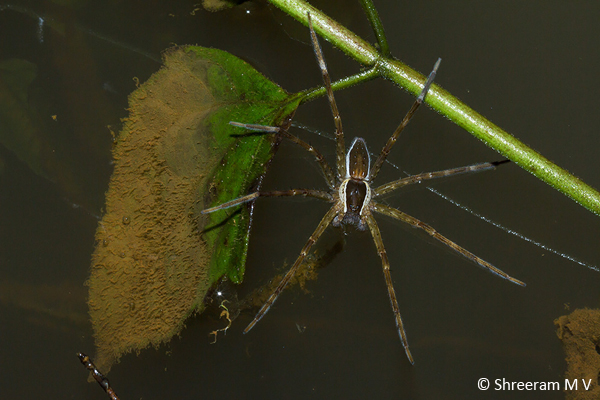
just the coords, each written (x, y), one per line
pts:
(274, 193)
(339, 133)
(397, 214)
(327, 172)
(325, 168)
(409, 180)
(388, 281)
(388, 146)
(257, 127)
(290, 274)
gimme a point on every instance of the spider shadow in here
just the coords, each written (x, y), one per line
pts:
(307, 271)
(221, 223)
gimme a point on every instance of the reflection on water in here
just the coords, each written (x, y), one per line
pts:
(49, 307)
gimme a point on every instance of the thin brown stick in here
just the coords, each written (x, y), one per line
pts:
(101, 379)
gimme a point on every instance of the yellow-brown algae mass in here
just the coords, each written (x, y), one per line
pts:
(149, 268)
(580, 334)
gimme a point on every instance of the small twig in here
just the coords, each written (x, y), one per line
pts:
(101, 379)
(375, 21)
(224, 313)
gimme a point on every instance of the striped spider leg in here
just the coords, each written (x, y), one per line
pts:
(352, 195)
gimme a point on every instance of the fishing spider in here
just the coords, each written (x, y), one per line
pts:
(353, 197)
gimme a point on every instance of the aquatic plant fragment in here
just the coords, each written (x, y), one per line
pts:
(156, 256)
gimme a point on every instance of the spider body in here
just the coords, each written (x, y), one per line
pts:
(354, 198)
(354, 190)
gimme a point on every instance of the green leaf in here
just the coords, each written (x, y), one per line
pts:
(256, 100)
(19, 130)
(156, 255)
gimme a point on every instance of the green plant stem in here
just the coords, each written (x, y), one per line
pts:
(311, 94)
(446, 104)
(375, 21)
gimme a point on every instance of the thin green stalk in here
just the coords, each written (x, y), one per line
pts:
(375, 21)
(344, 83)
(446, 104)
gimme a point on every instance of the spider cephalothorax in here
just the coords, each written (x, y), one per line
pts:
(353, 198)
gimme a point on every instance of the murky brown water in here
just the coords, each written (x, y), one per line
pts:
(529, 67)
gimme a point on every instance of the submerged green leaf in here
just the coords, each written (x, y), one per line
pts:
(156, 256)
(219, 5)
(19, 130)
(247, 97)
